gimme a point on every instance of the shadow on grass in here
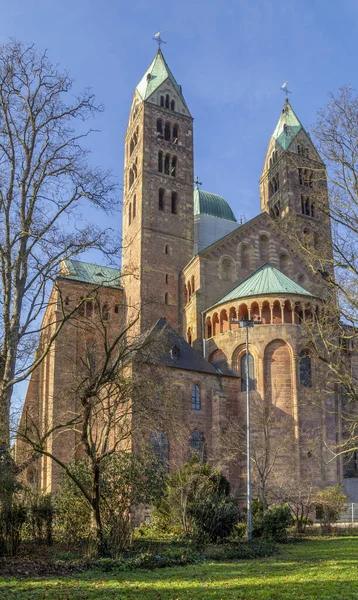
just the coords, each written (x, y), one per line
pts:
(317, 570)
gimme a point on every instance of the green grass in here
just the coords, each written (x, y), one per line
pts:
(314, 570)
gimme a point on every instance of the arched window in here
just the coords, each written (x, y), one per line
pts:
(160, 162)
(264, 247)
(189, 291)
(130, 213)
(131, 147)
(244, 374)
(305, 369)
(166, 164)
(167, 132)
(162, 101)
(197, 444)
(283, 262)
(193, 284)
(167, 278)
(81, 308)
(195, 397)
(227, 268)
(131, 177)
(160, 445)
(166, 298)
(174, 166)
(174, 203)
(160, 127)
(167, 101)
(134, 206)
(105, 312)
(175, 134)
(208, 328)
(166, 249)
(270, 189)
(161, 199)
(189, 336)
(91, 357)
(172, 105)
(245, 256)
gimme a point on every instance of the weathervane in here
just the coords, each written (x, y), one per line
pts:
(197, 182)
(285, 89)
(158, 39)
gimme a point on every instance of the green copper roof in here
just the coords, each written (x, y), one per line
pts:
(266, 280)
(155, 75)
(287, 127)
(211, 204)
(90, 273)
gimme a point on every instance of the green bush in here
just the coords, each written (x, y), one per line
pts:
(12, 519)
(185, 488)
(40, 514)
(213, 518)
(275, 522)
(330, 504)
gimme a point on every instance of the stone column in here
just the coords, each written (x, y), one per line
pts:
(282, 304)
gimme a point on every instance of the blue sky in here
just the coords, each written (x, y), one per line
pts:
(230, 57)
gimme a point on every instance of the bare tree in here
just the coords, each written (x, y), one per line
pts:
(45, 179)
(109, 404)
(271, 435)
(331, 253)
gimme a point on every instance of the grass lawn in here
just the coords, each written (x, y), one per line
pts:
(315, 570)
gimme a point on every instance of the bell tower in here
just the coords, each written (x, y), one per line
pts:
(293, 184)
(158, 220)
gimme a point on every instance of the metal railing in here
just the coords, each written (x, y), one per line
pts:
(350, 515)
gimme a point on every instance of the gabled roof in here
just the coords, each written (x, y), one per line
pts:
(176, 352)
(77, 270)
(267, 280)
(287, 127)
(155, 75)
(211, 204)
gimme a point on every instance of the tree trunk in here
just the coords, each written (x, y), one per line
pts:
(102, 547)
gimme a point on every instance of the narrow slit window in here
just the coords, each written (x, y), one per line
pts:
(174, 203)
(175, 134)
(166, 164)
(167, 132)
(134, 206)
(172, 105)
(160, 162)
(161, 199)
(167, 101)
(174, 166)
(159, 127)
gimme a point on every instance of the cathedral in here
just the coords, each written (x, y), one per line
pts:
(192, 271)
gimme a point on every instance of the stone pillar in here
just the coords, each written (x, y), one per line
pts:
(271, 312)
(282, 304)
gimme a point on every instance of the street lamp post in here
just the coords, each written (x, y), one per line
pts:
(246, 323)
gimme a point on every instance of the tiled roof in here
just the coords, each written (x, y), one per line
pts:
(265, 281)
(155, 75)
(84, 272)
(287, 127)
(211, 204)
(176, 352)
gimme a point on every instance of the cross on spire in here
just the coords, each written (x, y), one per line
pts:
(157, 38)
(197, 182)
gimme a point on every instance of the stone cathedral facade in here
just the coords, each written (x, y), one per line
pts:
(189, 269)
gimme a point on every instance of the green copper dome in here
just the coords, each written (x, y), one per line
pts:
(206, 203)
